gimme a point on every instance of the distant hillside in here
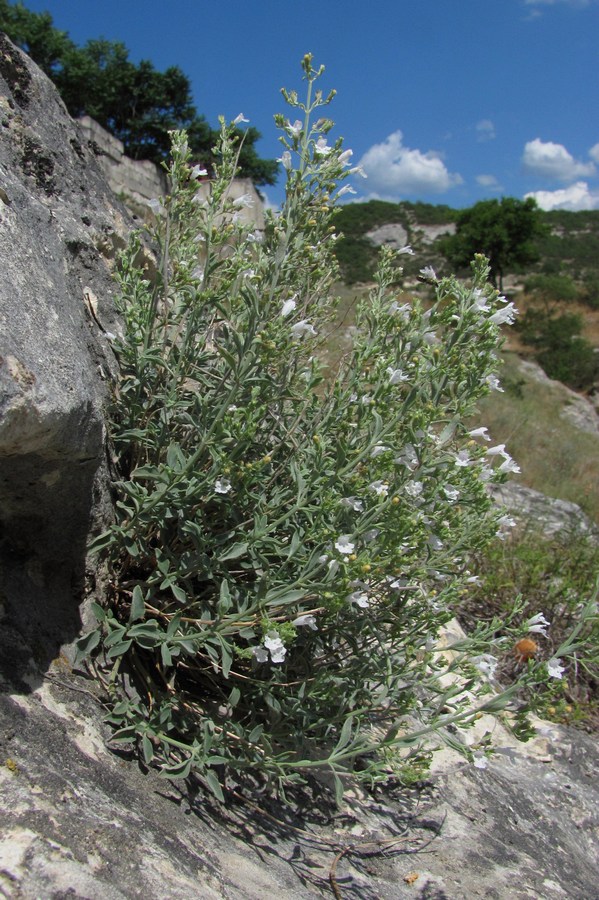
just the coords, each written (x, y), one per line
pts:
(571, 248)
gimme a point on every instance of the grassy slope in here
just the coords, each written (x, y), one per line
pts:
(556, 458)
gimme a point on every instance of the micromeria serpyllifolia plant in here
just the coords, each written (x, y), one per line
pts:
(287, 546)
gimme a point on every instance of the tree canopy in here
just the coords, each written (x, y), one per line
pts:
(135, 102)
(504, 230)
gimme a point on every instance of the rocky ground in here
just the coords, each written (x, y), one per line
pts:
(81, 821)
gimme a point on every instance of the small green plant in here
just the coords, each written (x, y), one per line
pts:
(287, 549)
(556, 574)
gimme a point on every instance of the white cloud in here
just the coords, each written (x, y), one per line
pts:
(485, 130)
(394, 170)
(489, 182)
(576, 196)
(594, 153)
(553, 161)
(575, 3)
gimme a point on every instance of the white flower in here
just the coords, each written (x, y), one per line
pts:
(380, 488)
(402, 310)
(493, 382)
(198, 172)
(462, 459)
(538, 625)
(239, 119)
(285, 159)
(321, 148)
(358, 170)
(301, 328)
(345, 157)
(396, 584)
(555, 668)
(353, 503)
(360, 598)
(434, 542)
(295, 129)
(222, 486)
(429, 273)
(498, 450)
(486, 474)
(413, 488)
(451, 493)
(506, 522)
(408, 458)
(245, 200)
(346, 189)
(275, 645)
(260, 654)
(396, 376)
(407, 249)
(344, 545)
(479, 760)
(486, 664)
(480, 301)
(306, 621)
(370, 535)
(155, 206)
(508, 465)
(288, 307)
(377, 450)
(255, 237)
(480, 432)
(505, 315)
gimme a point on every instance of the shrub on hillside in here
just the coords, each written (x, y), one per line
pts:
(285, 550)
(552, 288)
(561, 349)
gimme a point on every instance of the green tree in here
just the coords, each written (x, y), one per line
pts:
(35, 33)
(135, 102)
(503, 230)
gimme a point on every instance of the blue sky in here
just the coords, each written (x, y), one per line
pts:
(445, 101)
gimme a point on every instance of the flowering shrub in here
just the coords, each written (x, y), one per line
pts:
(288, 546)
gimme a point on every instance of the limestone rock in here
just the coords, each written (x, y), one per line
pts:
(551, 515)
(394, 235)
(59, 225)
(580, 412)
(79, 821)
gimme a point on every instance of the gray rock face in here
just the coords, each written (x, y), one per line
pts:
(553, 516)
(394, 235)
(81, 822)
(580, 411)
(58, 227)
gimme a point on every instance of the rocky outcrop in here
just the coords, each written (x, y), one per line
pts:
(59, 226)
(552, 515)
(577, 410)
(137, 181)
(78, 820)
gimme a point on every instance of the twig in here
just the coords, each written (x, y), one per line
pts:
(333, 873)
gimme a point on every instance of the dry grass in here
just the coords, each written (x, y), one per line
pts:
(556, 458)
